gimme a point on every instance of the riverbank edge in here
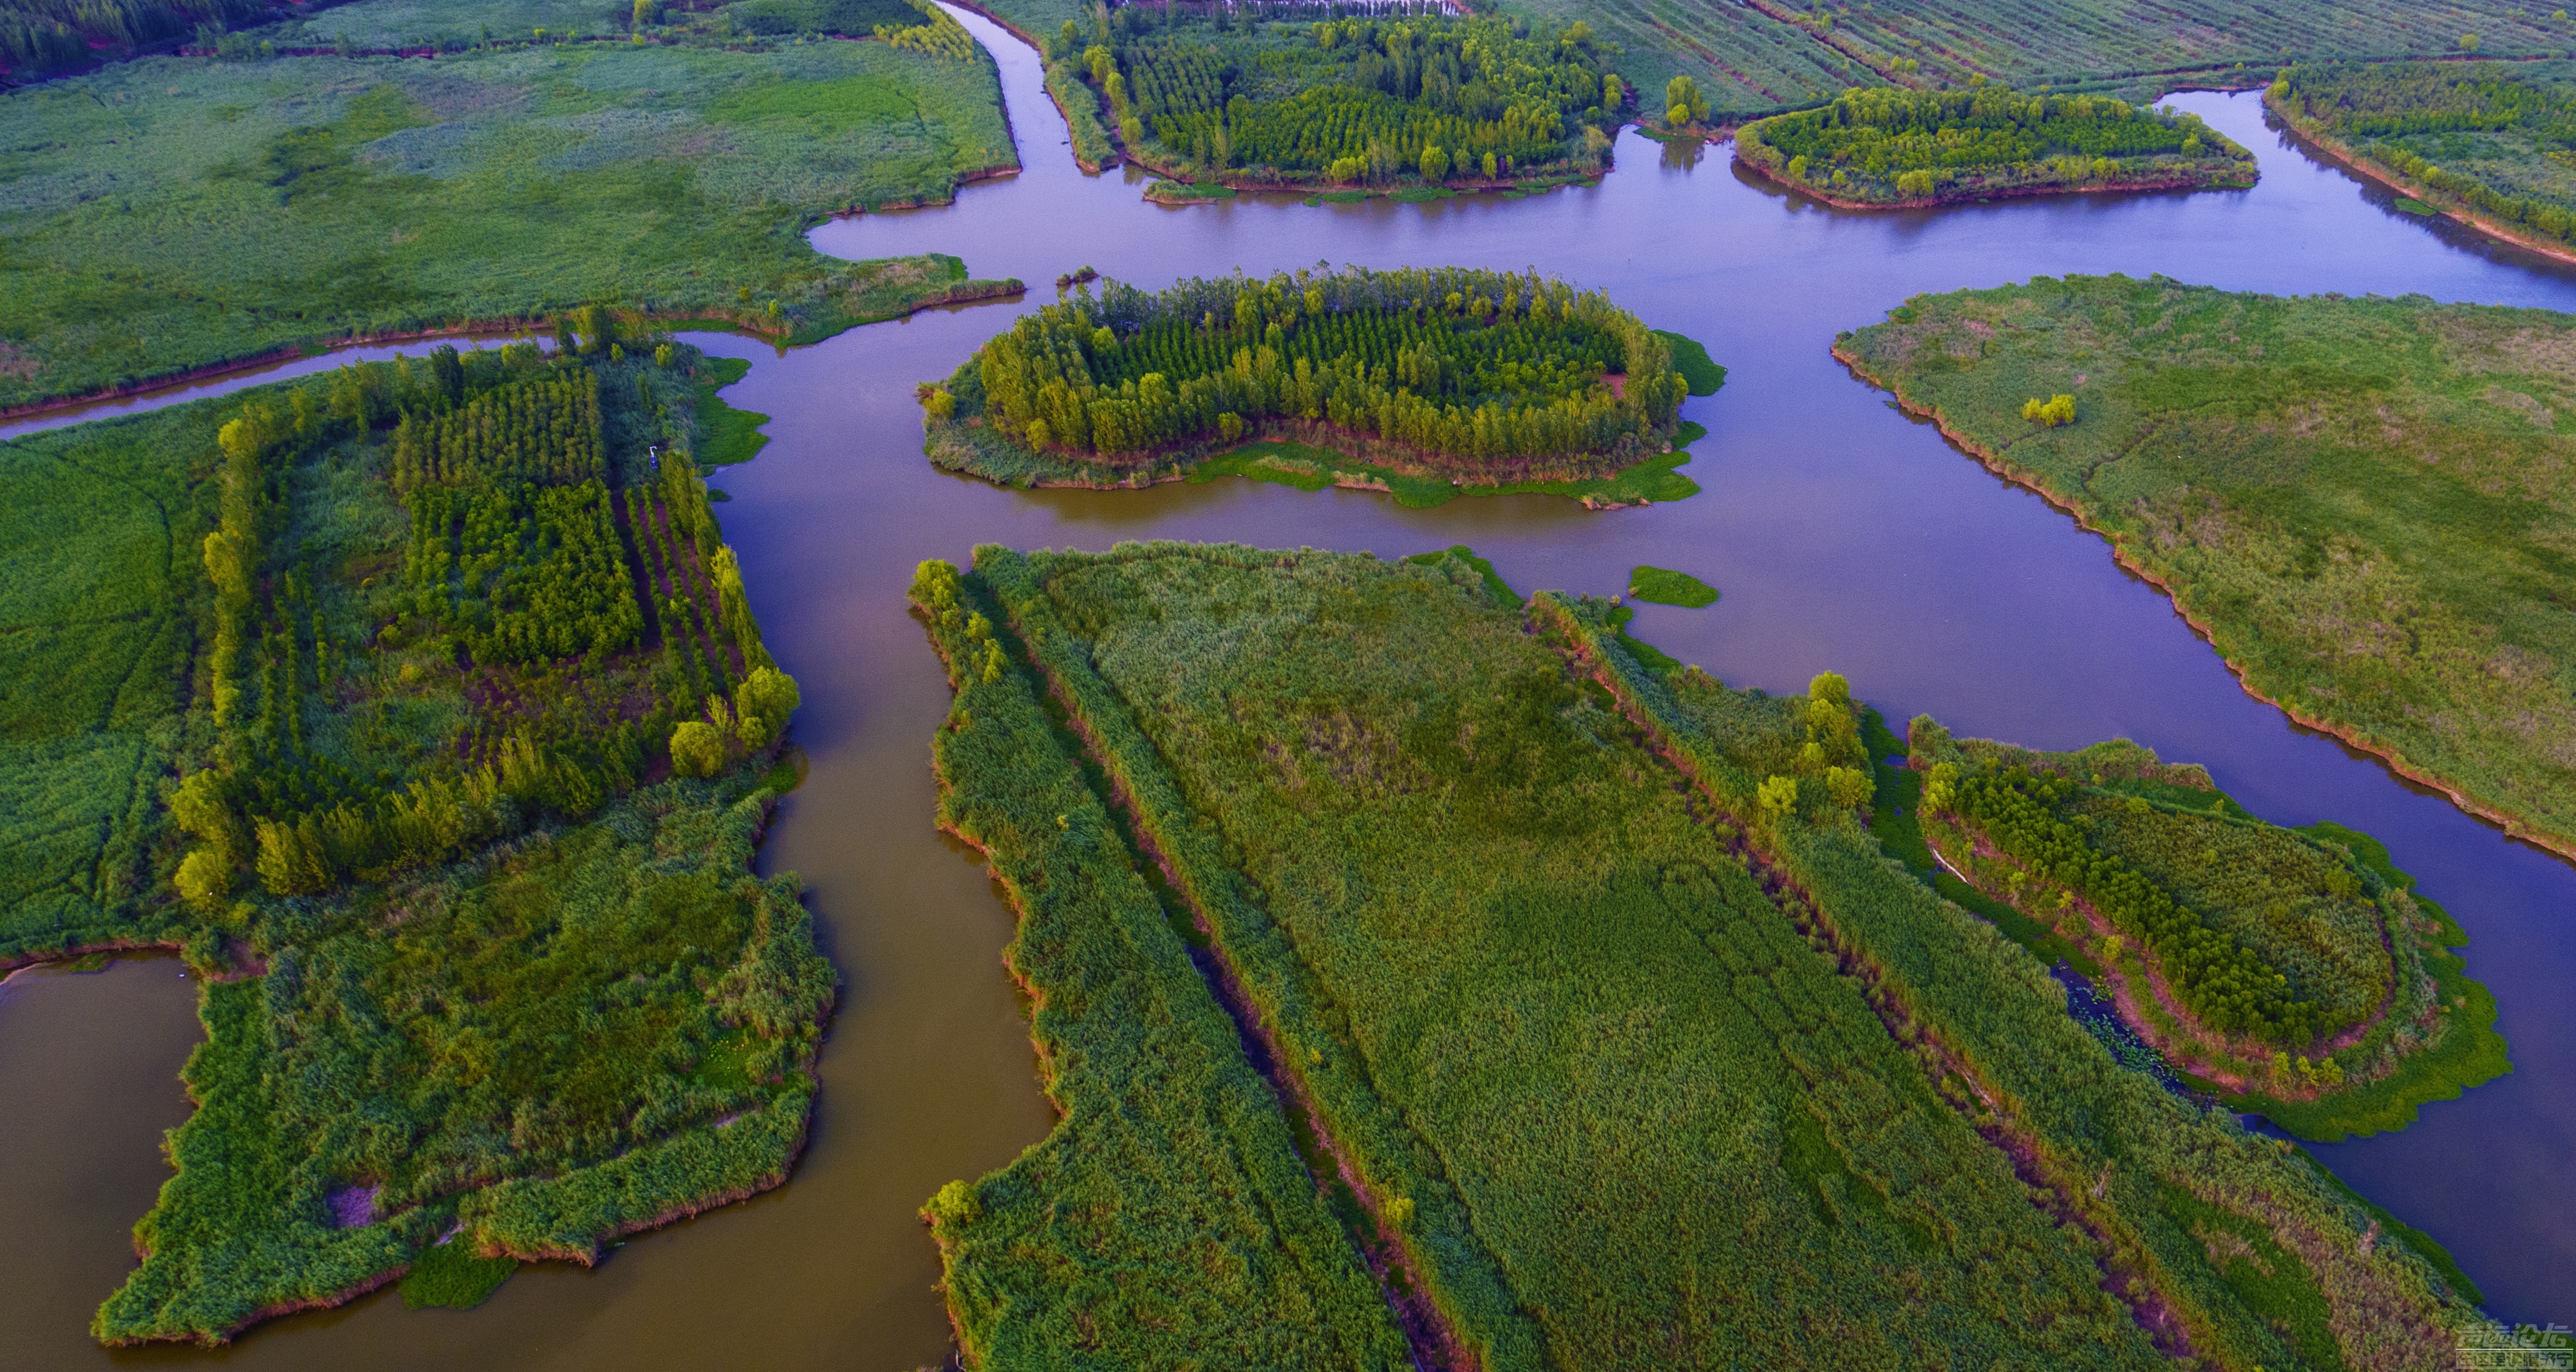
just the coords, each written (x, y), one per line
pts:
(2515, 826)
(1187, 467)
(2335, 152)
(961, 292)
(983, 11)
(2176, 182)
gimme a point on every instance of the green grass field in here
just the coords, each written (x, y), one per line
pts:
(2397, 1020)
(379, 720)
(2362, 502)
(256, 205)
(1664, 586)
(1639, 1075)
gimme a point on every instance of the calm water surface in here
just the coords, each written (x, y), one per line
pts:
(1843, 535)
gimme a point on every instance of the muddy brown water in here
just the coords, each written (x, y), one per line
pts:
(1843, 536)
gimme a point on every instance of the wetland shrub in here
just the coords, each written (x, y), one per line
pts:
(481, 973)
(2493, 138)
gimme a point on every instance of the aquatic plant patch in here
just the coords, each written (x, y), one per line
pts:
(252, 206)
(1475, 377)
(1918, 147)
(2358, 501)
(1573, 1031)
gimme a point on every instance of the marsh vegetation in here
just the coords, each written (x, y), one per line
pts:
(1517, 973)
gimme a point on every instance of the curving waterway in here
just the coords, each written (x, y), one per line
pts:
(1843, 535)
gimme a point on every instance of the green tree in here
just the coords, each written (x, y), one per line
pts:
(762, 705)
(1778, 796)
(1435, 163)
(697, 750)
(645, 11)
(1683, 103)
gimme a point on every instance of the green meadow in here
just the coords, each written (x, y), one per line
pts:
(258, 205)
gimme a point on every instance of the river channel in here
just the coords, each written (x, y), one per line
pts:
(1842, 534)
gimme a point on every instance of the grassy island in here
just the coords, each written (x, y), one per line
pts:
(422, 708)
(1252, 101)
(1473, 378)
(2294, 971)
(2358, 501)
(2487, 141)
(1899, 147)
(1606, 1034)
(177, 214)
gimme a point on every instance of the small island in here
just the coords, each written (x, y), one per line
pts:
(1463, 380)
(1419, 106)
(2293, 971)
(1895, 149)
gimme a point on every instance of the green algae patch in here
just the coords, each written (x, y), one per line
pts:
(1664, 586)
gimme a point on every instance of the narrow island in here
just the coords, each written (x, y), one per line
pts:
(2483, 142)
(1897, 148)
(420, 707)
(2293, 971)
(1425, 979)
(1430, 382)
(1418, 107)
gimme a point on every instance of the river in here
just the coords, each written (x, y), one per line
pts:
(1842, 534)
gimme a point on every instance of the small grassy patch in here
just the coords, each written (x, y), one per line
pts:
(1664, 586)
(450, 1276)
(1690, 358)
(1495, 586)
(731, 435)
(1415, 195)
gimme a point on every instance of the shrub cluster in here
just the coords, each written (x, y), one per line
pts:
(2413, 117)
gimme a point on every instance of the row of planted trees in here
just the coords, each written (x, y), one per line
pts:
(2221, 981)
(1454, 362)
(1910, 143)
(517, 566)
